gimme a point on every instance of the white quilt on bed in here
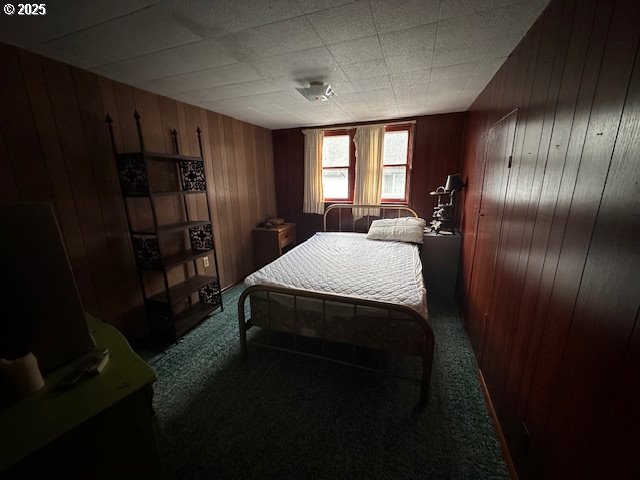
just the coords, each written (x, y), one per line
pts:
(349, 264)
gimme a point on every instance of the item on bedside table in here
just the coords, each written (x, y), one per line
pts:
(443, 213)
(273, 222)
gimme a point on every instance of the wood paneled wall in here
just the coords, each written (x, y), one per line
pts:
(553, 314)
(54, 147)
(438, 146)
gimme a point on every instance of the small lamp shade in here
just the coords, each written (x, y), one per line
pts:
(454, 182)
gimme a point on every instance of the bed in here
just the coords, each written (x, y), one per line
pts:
(343, 288)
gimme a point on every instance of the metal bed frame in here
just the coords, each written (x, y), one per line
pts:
(407, 314)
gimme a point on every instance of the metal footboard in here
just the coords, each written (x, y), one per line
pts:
(408, 315)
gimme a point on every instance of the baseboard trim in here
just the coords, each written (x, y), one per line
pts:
(503, 443)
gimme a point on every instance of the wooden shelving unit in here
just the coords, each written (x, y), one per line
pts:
(174, 249)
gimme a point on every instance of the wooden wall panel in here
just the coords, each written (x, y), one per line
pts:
(523, 198)
(561, 340)
(8, 187)
(64, 201)
(438, 147)
(55, 147)
(562, 164)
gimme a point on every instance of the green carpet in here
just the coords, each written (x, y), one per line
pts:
(285, 416)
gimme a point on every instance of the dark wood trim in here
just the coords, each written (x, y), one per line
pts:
(496, 424)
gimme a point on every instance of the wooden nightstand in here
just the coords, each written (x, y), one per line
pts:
(440, 254)
(270, 243)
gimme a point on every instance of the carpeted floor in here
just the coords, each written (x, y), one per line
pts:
(284, 416)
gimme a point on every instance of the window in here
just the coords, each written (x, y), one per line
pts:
(395, 168)
(337, 165)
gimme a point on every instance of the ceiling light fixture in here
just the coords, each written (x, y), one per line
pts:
(317, 92)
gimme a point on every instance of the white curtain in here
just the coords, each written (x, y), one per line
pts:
(313, 194)
(369, 140)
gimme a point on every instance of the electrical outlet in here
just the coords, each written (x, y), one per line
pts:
(205, 262)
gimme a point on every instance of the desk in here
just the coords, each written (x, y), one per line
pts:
(100, 428)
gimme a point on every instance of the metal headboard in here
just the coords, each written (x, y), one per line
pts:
(383, 208)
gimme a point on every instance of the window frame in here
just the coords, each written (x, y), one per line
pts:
(396, 128)
(351, 168)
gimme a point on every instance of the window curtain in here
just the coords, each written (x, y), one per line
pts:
(313, 194)
(369, 140)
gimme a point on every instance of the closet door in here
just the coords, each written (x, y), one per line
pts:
(495, 181)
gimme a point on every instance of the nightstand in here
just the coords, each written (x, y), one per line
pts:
(440, 256)
(270, 243)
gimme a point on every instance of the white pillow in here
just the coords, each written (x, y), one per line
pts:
(404, 229)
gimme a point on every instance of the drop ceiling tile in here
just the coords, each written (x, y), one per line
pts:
(452, 71)
(356, 51)
(211, 77)
(61, 56)
(303, 63)
(401, 14)
(174, 61)
(219, 16)
(310, 6)
(402, 80)
(378, 98)
(417, 110)
(410, 63)
(446, 56)
(489, 66)
(375, 83)
(64, 17)
(521, 16)
(278, 97)
(503, 45)
(149, 30)
(274, 110)
(232, 91)
(415, 39)
(412, 92)
(386, 111)
(273, 39)
(467, 31)
(458, 8)
(501, 3)
(477, 84)
(343, 87)
(347, 22)
(447, 106)
(372, 68)
(288, 86)
(413, 104)
(447, 86)
(348, 99)
(143, 32)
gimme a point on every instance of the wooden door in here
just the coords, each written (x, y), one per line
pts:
(497, 166)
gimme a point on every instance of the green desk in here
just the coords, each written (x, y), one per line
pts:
(100, 428)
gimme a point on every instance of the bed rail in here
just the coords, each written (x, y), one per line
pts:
(348, 206)
(411, 316)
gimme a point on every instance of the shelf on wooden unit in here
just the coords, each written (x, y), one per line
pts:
(174, 227)
(184, 289)
(177, 192)
(166, 157)
(183, 257)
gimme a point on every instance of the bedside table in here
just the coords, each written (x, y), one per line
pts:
(270, 243)
(440, 255)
